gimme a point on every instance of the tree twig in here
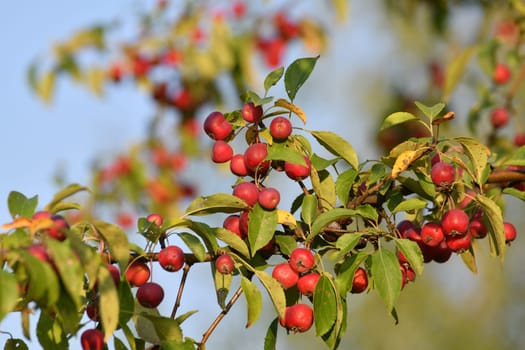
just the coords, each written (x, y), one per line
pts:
(185, 272)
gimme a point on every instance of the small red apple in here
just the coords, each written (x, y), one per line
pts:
(306, 284)
(455, 222)
(280, 128)
(217, 127)
(150, 295)
(251, 113)
(285, 275)
(298, 171)
(360, 281)
(432, 234)
(269, 198)
(221, 152)
(298, 318)
(171, 258)
(92, 339)
(502, 73)
(155, 219)
(254, 157)
(224, 264)
(499, 117)
(302, 260)
(443, 174)
(510, 232)
(238, 166)
(137, 273)
(247, 191)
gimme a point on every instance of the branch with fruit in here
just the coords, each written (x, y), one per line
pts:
(352, 227)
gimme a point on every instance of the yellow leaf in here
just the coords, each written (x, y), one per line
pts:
(18, 223)
(95, 80)
(286, 218)
(403, 161)
(45, 87)
(291, 107)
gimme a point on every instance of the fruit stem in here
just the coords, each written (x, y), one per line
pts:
(215, 323)
(185, 272)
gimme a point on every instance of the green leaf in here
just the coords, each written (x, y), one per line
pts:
(325, 306)
(185, 316)
(366, 211)
(118, 344)
(412, 253)
(273, 78)
(324, 187)
(8, 293)
(261, 227)
(309, 209)
(346, 243)
(478, 154)
(495, 225)
(20, 205)
(116, 240)
(396, 118)
(430, 111)
(253, 299)
(15, 344)
(130, 337)
(166, 329)
(518, 158)
(232, 240)
(320, 163)
(69, 269)
(345, 272)
(297, 73)
(409, 204)
(470, 260)
(222, 285)
(515, 193)
(50, 333)
(343, 185)
(194, 244)
(322, 220)
(286, 243)
(333, 337)
(338, 146)
(278, 151)
(216, 203)
(275, 291)
(109, 302)
(127, 303)
(455, 71)
(44, 285)
(205, 232)
(270, 340)
(66, 192)
(387, 276)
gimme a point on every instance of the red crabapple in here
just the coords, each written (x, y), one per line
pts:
(269, 198)
(217, 127)
(443, 174)
(92, 339)
(247, 191)
(224, 264)
(360, 281)
(280, 128)
(137, 273)
(298, 171)
(499, 117)
(285, 275)
(298, 318)
(302, 260)
(171, 258)
(455, 222)
(306, 283)
(221, 152)
(150, 295)
(251, 113)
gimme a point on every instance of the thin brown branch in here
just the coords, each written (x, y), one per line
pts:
(185, 272)
(520, 76)
(500, 176)
(223, 313)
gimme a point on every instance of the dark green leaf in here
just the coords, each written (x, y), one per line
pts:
(325, 306)
(50, 333)
(118, 344)
(127, 302)
(194, 244)
(273, 78)
(397, 118)
(270, 340)
(286, 243)
(20, 205)
(8, 293)
(412, 253)
(15, 344)
(253, 299)
(297, 73)
(261, 227)
(387, 276)
(338, 146)
(216, 203)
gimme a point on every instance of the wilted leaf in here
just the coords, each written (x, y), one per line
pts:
(403, 161)
(292, 108)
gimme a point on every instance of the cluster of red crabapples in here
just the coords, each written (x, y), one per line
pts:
(454, 231)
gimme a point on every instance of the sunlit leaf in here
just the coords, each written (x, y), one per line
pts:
(109, 303)
(273, 78)
(63, 194)
(456, 70)
(292, 108)
(275, 291)
(409, 204)
(495, 225)
(338, 146)
(8, 293)
(396, 118)
(232, 240)
(478, 155)
(216, 203)
(116, 241)
(253, 299)
(19, 205)
(195, 245)
(430, 111)
(412, 253)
